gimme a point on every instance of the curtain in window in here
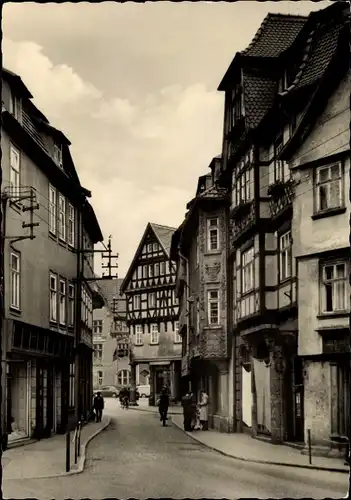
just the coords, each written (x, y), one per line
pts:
(263, 393)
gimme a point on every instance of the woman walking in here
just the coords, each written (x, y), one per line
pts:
(203, 410)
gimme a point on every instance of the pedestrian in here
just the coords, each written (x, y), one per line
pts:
(98, 405)
(186, 404)
(203, 410)
(163, 404)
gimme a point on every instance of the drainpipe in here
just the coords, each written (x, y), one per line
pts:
(187, 293)
(78, 311)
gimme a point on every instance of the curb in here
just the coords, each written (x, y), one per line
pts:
(264, 462)
(81, 462)
(153, 412)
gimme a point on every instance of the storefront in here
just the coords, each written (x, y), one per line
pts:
(18, 394)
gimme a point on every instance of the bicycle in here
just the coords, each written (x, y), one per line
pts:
(125, 403)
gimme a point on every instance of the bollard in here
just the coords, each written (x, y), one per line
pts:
(309, 446)
(68, 451)
(79, 432)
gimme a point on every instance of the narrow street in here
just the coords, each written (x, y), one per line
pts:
(138, 458)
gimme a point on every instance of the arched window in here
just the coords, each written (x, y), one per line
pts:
(123, 377)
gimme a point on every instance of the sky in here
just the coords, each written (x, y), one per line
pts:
(134, 88)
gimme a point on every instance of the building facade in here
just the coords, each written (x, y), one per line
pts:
(200, 251)
(318, 153)
(152, 312)
(45, 211)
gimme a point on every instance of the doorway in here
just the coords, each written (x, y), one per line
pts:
(298, 406)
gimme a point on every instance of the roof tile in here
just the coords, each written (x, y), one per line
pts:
(259, 92)
(164, 235)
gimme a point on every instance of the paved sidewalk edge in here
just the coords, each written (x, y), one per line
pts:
(267, 462)
(150, 411)
(81, 459)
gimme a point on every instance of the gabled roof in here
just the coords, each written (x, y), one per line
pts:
(163, 235)
(276, 33)
(16, 82)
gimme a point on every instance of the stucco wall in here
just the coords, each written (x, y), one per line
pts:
(165, 349)
(38, 256)
(317, 401)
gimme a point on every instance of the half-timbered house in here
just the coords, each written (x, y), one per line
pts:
(250, 83)
(199, 247)
(152, 311)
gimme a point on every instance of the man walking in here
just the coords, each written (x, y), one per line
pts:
(163, 403)
(98, 405)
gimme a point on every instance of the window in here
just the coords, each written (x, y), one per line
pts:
(247, 270)
(154, 334)
(71, 224)
(71, 401)
(151, 271)
(285, 255)
(58, 154)
(70, 304)
(97, 326)
(154, 247)
(98, 352)
(243, 187)
(53, 297)
(15, 280)
(138, 334)
(52, 210)
(177, 337)
(14, 106)
(123, 377)
(144, 271)
(163, 268)
(212, 234)
(236, 106)
(157, 269)
(334, 287)
(329, 187)
(152, 299)
(100, 377)
(14, 171)
(149, 247)
(62, 302)
(136, 301)
(281, 168)
(62, 217)
(213, 307)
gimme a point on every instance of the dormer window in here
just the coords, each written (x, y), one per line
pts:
(236, 106)
(14, 106)
(58, 155)
(281, 168)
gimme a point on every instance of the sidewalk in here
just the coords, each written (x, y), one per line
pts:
(244, 447)
(47, 457)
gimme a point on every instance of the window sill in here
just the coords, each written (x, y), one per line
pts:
(154, 343)
(52, 236)
(138, 345)
(15, 206)
(285, 281)
(336, 314)
(212, 252)
(212, 327)
(15, 310)
(329, 213)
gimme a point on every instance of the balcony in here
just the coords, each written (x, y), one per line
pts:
(282, 194)
(29, 126)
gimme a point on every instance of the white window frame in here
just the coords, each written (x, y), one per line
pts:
(15, 168)
(157, 269)
(15, 281)
(149, 247)
(138, 335)
(63, 302)
(97, 326)
(57, 154)
(248, 270)
(212, 228)
(285, 256)
(53, 297)
(71, 295)
(154, 333)
(98, 352)
(212, 304)
(52, 209)
(125, 381)
(152, 303)
(335, 283)
(162, 268)
(62, 217)
(137, 302)
(71, 225)
(151, 270)
(327, 184)
(177, 338)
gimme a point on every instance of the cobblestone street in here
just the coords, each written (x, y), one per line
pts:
(138, 458)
